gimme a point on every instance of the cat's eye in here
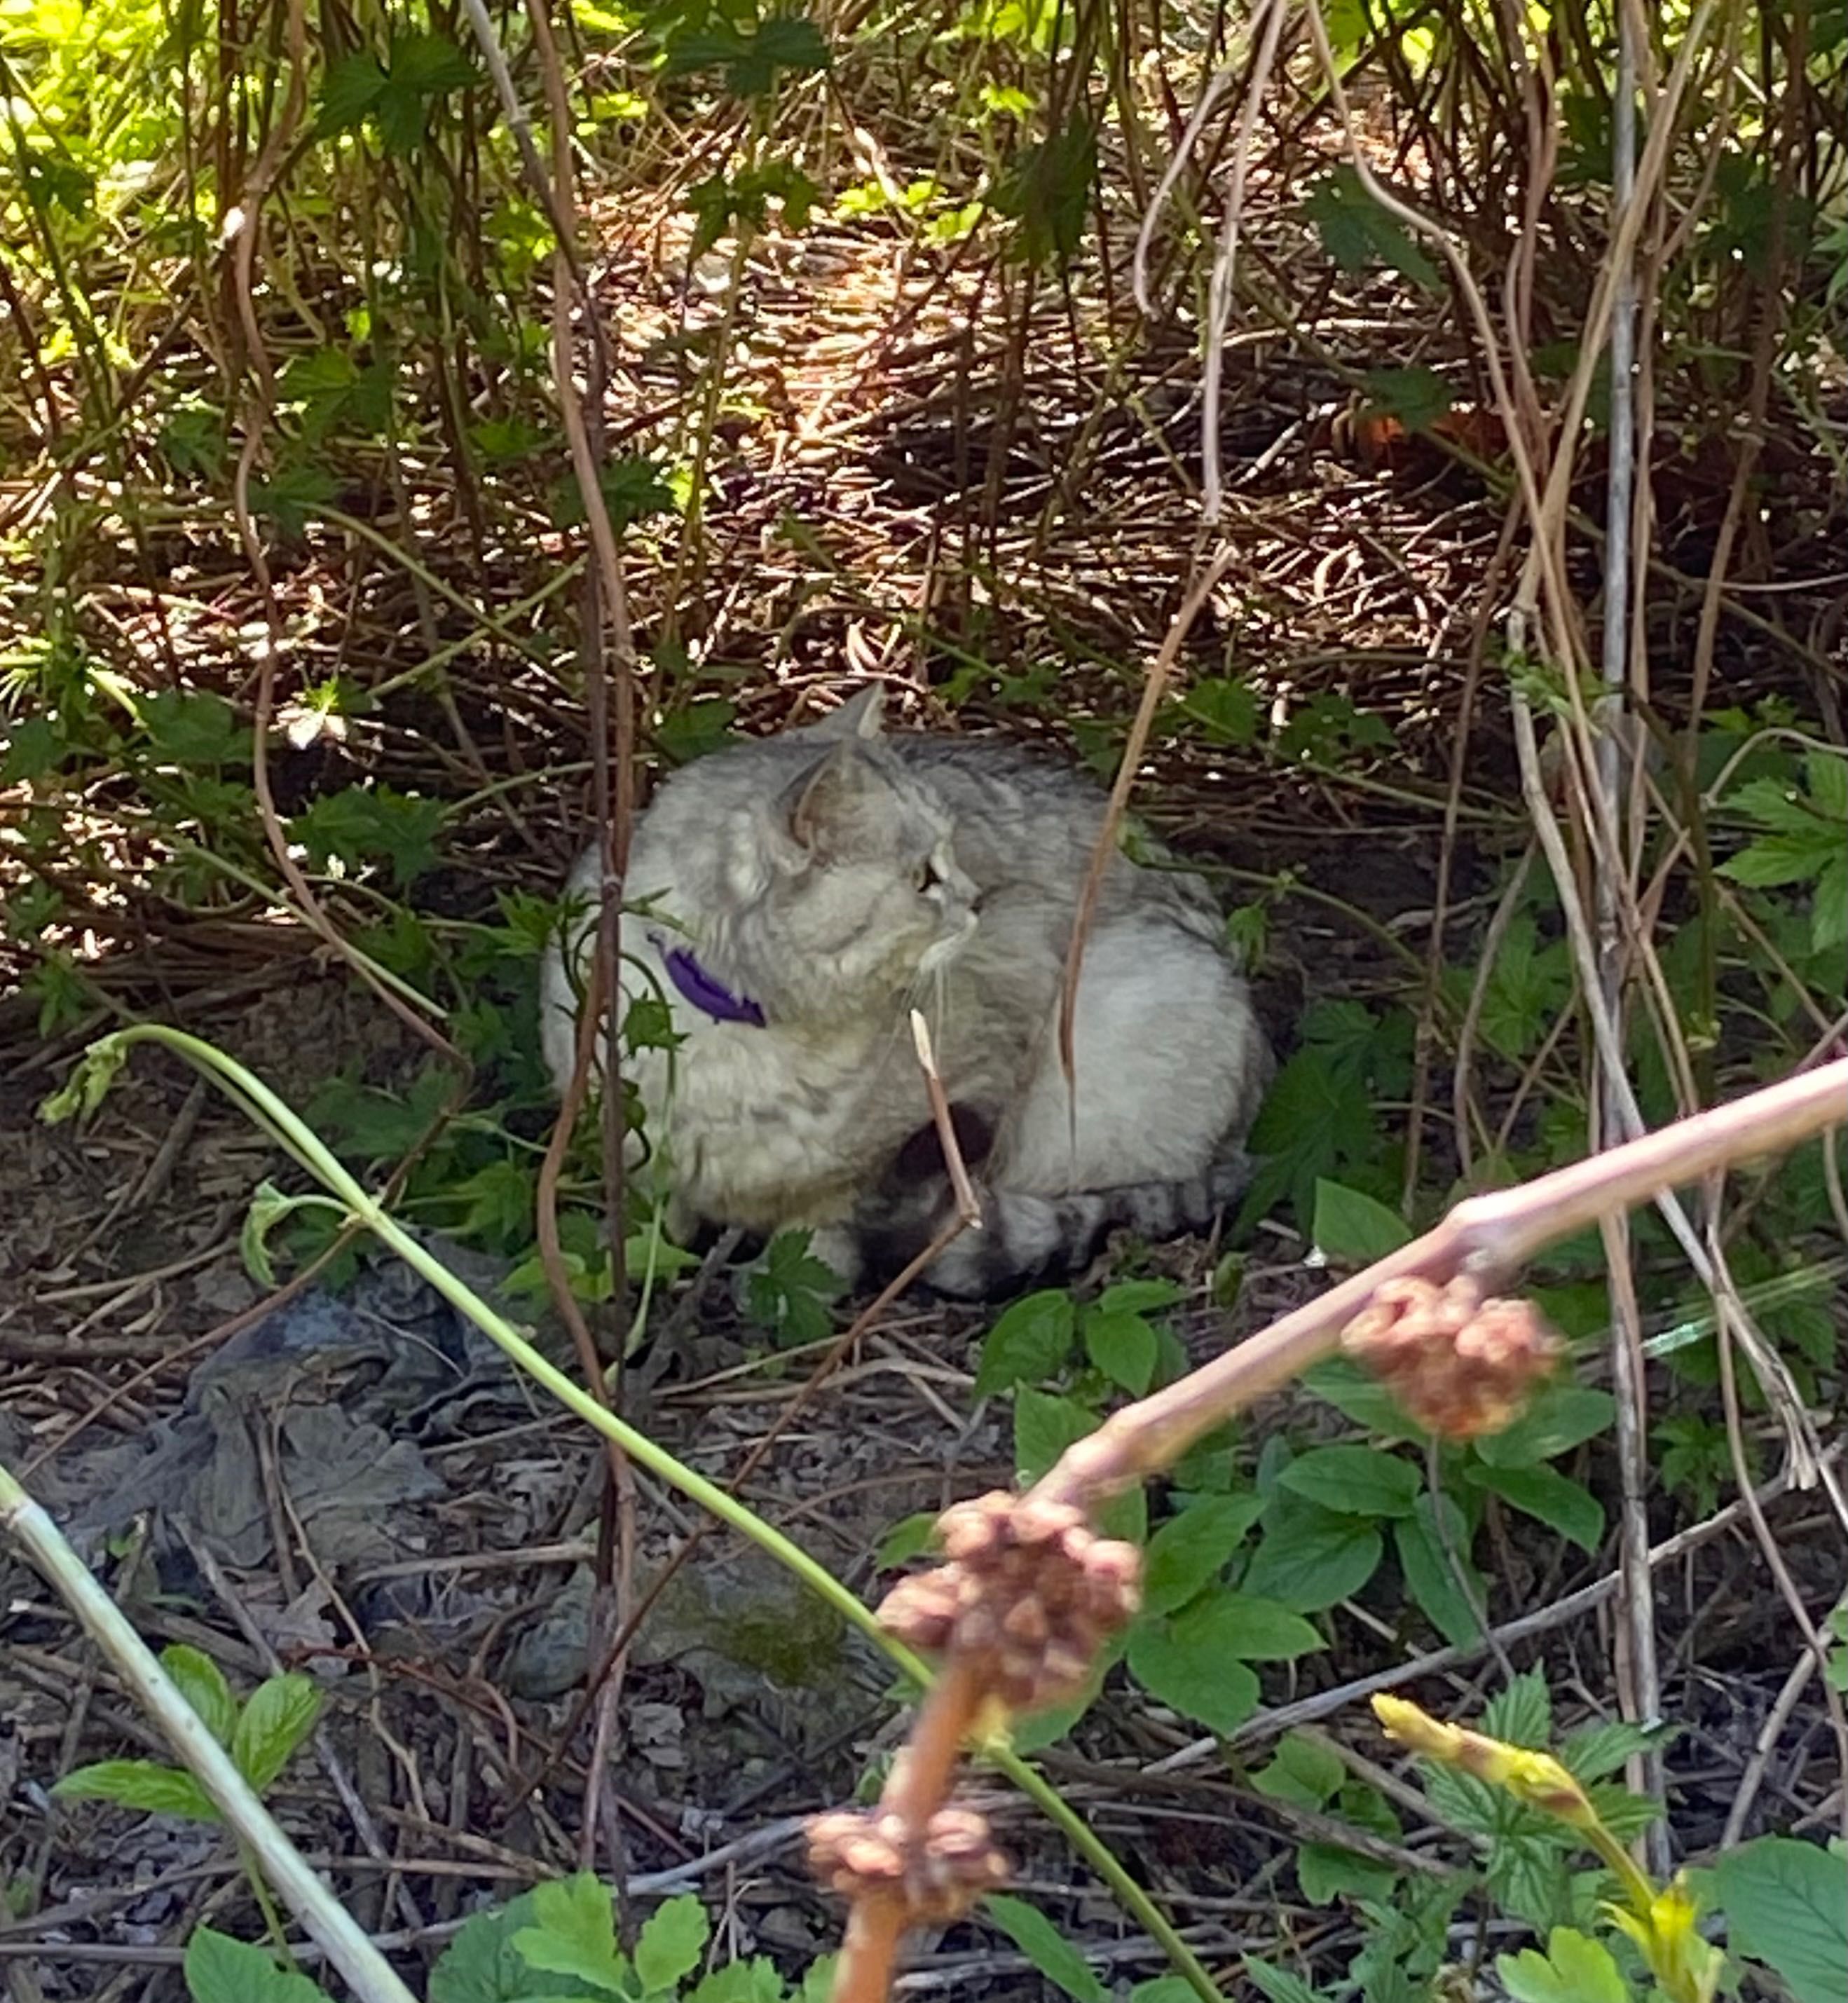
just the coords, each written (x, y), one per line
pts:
(928, 877)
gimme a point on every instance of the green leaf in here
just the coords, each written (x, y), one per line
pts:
(194, 728)
(220, 1970)
(296, 494)
(1046, 190)
(1354, 1227)
(1362, 1399)
(1044, 1426)
(1430, 1571)
(481, 1964)
(1137, 1297)
(1194, 1661)
(757, 1981)
(368, 824)
(633, 486)
(1044, 1947)
(1574, 1969)
(279, 1713)
(201, 1682)
(1560, 1416)
(1529, 1876)
(1355, 1481)
(1226, 710)
(1124, 1347)
(575, 1933)
(146, 1785)
(1278, 1985)
(1522, 1712)
(1786, 1905)
(789, 1291)
(1551, 1497)
(349, 88)
(1356, 231)
(1417, 397)
(33, 748)
(750, 61)
(1325, 1871)
(910, 1537)
(1310, 1558)
(1192, 1546)
(1304, 1771)
(1029, 1343)
(1597, 1749)
(668, 1948)
(1828, 914)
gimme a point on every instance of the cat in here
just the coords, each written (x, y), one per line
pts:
(790, 899)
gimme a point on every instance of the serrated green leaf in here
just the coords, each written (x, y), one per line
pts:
(1355, 1481)
(147, 1785)
(481, 1964)
(575, 1933)
(1044, 1947)
(1193, 1546)
(1046, 190)
(220, 1970)
(1786, 1905)
(1549, 1497)
(1522, 1712)
(1354, 1227)
(1828, 914)
(756, 1980)
(1356, 231)
(200, 1681)
(1597, 1750)
(278, 1715)
(362, 824)
(671, 1940)
(349, 89)
(1530, 1878)
(1574, 1969)
(1029, 1342)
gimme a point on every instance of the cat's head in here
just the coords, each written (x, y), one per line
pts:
(858, 897)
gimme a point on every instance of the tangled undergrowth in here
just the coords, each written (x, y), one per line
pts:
(873, 397)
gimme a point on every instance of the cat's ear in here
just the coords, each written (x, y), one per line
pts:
(862, 715)
(816, 810)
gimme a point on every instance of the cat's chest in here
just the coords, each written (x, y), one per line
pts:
(757, 1121)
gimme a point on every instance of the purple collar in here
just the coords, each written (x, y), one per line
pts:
(705, 991)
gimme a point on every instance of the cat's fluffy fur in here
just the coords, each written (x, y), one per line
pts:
(837, 877)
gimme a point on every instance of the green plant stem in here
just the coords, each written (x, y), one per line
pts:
(1098, 1853)
(368, 1974)
(308, 1148)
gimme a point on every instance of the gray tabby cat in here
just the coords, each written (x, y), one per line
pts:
(799, 894)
